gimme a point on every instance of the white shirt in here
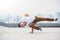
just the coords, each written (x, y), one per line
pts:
(28, 19)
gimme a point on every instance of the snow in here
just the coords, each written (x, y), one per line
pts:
(24, 34)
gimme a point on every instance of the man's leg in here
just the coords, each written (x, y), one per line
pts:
(44, 19)
(37, 19)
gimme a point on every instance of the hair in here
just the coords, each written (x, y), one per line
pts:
(26, 14)
(19, 25)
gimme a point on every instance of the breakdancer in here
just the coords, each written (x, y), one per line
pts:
(32, 20)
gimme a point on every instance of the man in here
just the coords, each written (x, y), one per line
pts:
(32, 20)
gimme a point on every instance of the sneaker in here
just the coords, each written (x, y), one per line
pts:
(40, 29)
(56, 19)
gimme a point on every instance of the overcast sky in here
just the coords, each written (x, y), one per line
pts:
(19, 7)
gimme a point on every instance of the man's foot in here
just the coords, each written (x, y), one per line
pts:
(40, 29)
(56, 19)
(31, 32)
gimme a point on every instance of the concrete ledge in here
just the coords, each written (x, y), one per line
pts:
(39, 24)
(48, 24)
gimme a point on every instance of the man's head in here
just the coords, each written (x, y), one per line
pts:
(22, 24)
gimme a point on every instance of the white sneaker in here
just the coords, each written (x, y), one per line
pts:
(40, 29)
